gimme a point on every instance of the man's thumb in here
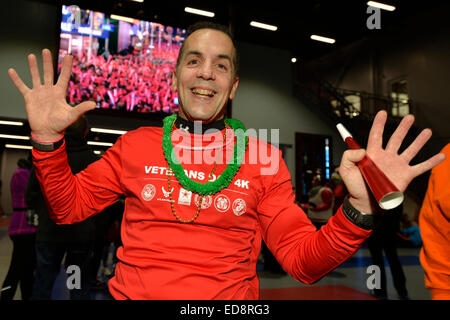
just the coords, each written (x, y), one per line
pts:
(84, 107)
(351, 157)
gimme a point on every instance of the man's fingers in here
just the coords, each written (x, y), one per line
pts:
(400, 133)
(375, 140)
(417, 144)
(428, 164)
(18, 82)
(48, 67)
(34, 71)
(66, 70)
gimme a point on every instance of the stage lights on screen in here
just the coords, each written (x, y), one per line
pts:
(121, 18)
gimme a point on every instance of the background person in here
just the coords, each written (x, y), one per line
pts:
(53, 241)
(23, 261)
(384, 240)
(434, 223)
(320, 202)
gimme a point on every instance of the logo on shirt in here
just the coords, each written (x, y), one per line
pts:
(185, 197)
(166, 193)
(148, 192)
(185, 129)
(222, 203)
(239, 207)
(206, 202)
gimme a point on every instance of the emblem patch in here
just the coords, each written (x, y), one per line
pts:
(185, 197)
(148, 192)
(239, 207)
(206, 202)
(222, 203)
(166, 193)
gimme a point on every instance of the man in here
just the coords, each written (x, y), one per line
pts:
(23, 235)
(200, 236)
(320, 202)
(54, 241)
(384, 240)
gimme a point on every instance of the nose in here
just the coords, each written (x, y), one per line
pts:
(206, 71)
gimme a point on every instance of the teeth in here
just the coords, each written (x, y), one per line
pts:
(203, 92)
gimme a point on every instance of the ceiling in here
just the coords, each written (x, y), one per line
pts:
(344, 21)
(296, 21)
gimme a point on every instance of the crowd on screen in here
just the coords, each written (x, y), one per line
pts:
(129, 80)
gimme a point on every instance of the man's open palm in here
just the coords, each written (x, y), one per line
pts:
(48, 112)
(394, 165)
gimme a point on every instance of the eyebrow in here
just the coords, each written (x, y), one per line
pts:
(198, 53)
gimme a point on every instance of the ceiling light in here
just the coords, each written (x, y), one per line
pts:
(263, 26)
(17, 146)
(199, 12)
(97, 152)
(11, 136)
(126, 19)
(101, 130)
(138, 0)
(95, 143)
(322, 39)
(294, 60)
(11, 123)
(380, 5)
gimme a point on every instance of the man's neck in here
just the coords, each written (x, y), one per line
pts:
(198, 127)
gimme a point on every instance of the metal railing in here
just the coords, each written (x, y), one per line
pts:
(335, 102)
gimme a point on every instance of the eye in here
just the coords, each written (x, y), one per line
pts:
(192, 62)
(222, 67)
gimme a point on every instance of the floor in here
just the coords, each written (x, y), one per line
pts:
(347, 282)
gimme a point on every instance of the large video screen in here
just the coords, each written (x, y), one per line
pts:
(123, 64)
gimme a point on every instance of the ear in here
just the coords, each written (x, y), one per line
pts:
(234, 88)
(174, 80)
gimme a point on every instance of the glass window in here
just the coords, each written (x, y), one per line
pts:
(400, 98)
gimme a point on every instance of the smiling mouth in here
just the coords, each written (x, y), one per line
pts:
(204, 93)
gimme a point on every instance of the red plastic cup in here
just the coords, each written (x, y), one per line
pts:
(385, 192)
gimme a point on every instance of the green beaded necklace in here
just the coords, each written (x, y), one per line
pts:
(227, 175)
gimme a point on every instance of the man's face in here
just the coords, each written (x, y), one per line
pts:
(205, 77)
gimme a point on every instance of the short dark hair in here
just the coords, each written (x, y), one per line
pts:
(24, 163)
(214, 26)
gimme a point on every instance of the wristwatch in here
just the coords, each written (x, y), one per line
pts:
(46, 146)
(363, 220)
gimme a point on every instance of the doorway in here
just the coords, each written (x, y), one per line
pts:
(313, 153)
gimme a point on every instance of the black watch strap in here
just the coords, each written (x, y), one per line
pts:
(363, 220)
(46, 146)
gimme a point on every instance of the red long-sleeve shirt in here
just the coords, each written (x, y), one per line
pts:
(214, 257)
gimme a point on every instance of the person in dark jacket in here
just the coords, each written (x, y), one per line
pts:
(384, 239)
(54, 241)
